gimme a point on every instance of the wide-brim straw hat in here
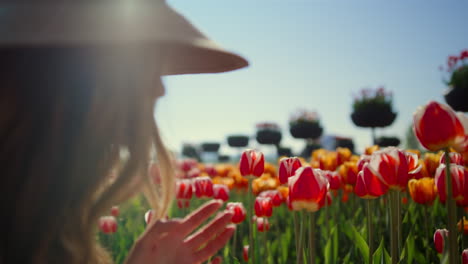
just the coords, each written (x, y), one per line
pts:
(101, 23)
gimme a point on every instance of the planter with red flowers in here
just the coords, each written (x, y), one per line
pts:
(373, 108)
(457, 93)
(305, 125)
(238, 141)
(268, 134)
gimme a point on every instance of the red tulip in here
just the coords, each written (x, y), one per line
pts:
(148, 216)
(183, 204)
(274, 195)
(263, 207)
(328, 199)
(391, 166)
(211, 170)
(306, 189)
(368, 185)
(108, 224)
(334, 179)
(203, 187)
(115, 211)
(193, 173)
(439, 239)
(220, 191)
(184, 189)
(437, 127)
(187, 164)
(459, 177)
(287, 168)
(262, 224)
(252, 163)
(245, 253)
(465, 252)
(455, 158)
(238, 210)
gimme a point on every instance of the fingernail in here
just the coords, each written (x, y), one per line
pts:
(231, 226)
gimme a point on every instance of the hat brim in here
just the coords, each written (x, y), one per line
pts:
(115, 22)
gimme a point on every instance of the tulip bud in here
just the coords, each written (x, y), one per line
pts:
(220, 191)
(439, 239)
(148, 216)
(238, 210)
(437, 127)
(245, 253)
(252, 163)
(108, 224)
(203, 187)
(115, 211)
(465, 256)
(306, 189)
(263, 207)
(287, 168)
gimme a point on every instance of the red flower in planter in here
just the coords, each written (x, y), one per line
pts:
(287, 168)
(252, 163)
(368, 185)
(108, 224)
(439, 239)
(263, 207)
(220, 191)
(306, 189)
(203, 187)
(459, 177)
(275, 196)
(391, 166)
(437, 127)
(238, 210)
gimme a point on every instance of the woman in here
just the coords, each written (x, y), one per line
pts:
(79, 83)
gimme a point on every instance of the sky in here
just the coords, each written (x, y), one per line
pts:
(313, 54)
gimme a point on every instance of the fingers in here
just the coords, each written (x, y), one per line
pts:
(162, 227)
(205, 234)
(216, 260)
(195, 219)
(214, 245)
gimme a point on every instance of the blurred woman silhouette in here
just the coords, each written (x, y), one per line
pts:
(79, 81)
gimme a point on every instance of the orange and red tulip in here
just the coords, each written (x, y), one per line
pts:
(203, 187)
(463, 227)
(287, 168)
(108, 224)
(263, 206)
(238, 210)
(422, 191)
(252, 163)
(439, 239)
(306, 189)
(437, 127)
(221, 192)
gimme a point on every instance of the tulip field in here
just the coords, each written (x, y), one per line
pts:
(387, 205)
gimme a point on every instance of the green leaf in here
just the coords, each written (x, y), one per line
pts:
(359, 241)
(378, 253)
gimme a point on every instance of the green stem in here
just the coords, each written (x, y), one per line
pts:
(296, 233)
(393, 228)
(265, 244)
(370, 232)
(301, 240)
(427, 232)
(234, 244)
(312, 239)
(452, 214)
(398, 217)
(250, 222)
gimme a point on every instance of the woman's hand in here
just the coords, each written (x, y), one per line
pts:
(171, 241)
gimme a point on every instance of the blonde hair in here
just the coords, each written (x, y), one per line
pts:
(70, 118)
